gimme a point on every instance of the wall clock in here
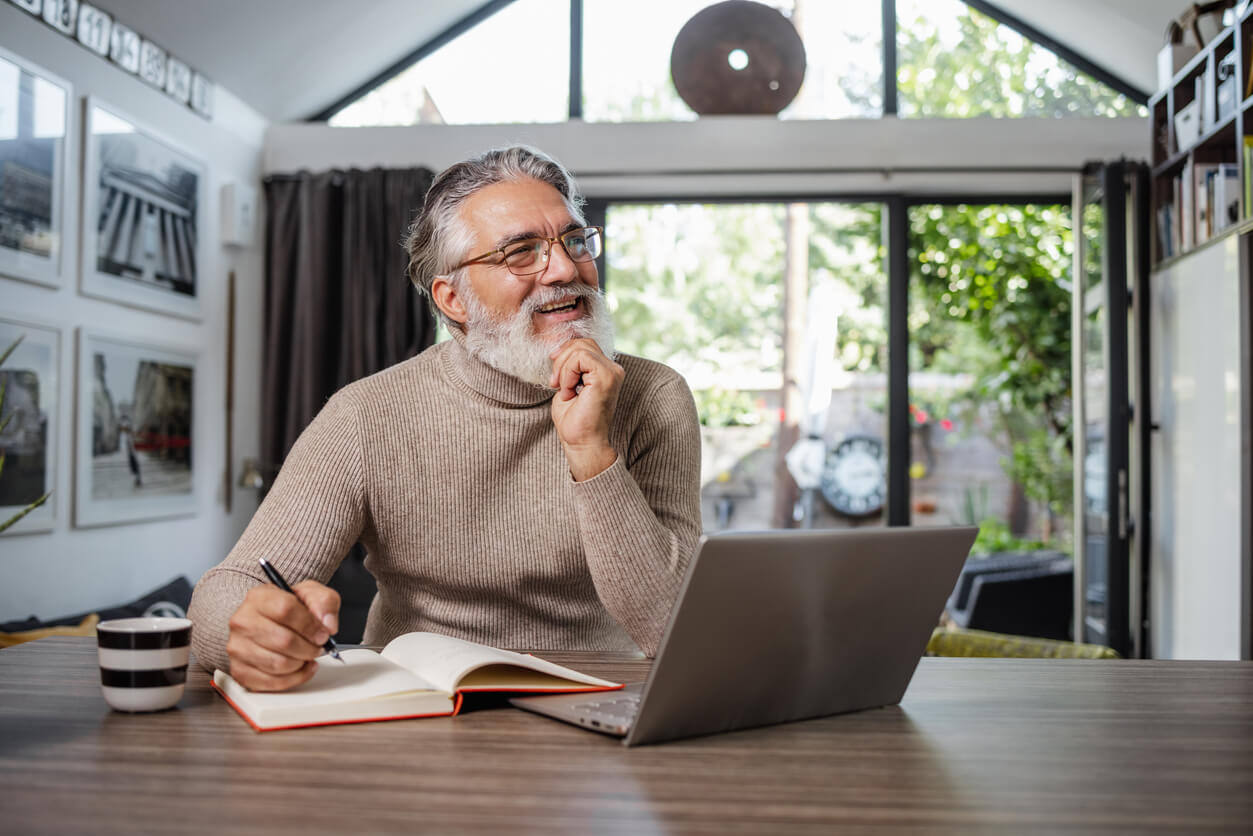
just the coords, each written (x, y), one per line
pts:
(853, 476)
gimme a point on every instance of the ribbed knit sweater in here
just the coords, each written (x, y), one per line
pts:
(452, 476)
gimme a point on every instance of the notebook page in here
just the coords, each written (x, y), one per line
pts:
(445, 660)
(364, 675)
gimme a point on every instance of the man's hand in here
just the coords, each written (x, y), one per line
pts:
(276, 635)
(587, 384)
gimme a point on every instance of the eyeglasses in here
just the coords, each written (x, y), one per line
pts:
(530, 256)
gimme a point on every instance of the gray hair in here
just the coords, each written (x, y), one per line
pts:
(438, 241)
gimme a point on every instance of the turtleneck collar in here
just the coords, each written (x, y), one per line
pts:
(471, 372)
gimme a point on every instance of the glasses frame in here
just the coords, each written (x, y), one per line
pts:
(548, 247)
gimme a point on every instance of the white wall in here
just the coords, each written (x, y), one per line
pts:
(738, 155)
(1195, 554)
(71, 570)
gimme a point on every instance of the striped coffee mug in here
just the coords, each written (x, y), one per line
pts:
(143, 662)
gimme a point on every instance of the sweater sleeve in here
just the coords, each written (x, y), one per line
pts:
(305, 526)
(640, 517)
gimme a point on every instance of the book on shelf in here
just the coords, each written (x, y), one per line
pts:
(1226, 204)
(415, 675)
(1203, 198)
(1248, 84)
(1176, 213)
(1167, 230)
(1247, 152)
(1187, 217)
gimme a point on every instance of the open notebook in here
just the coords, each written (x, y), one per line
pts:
(415, 675)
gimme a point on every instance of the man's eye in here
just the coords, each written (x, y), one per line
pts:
(576, 242)
(522, 253)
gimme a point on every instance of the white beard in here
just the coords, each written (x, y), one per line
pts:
(513, 347)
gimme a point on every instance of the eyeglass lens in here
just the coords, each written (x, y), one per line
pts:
(531, 256)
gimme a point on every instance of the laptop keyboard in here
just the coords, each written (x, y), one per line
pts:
(618, 710)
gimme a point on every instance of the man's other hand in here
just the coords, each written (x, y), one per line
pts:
(276, 635)
(587, 384)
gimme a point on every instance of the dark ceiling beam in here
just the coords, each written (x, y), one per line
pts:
(1050, 43)
(466, 23)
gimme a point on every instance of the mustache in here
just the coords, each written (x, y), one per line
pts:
(548, 294)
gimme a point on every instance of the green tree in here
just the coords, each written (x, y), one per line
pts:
(698, 285)
(991, 296)
(846, 246)
(956, 62)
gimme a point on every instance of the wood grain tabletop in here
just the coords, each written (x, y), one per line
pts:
(980, 745)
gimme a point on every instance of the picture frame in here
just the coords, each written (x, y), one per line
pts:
(35, 114)
(143, 203)
(135, 440)
(31, 377)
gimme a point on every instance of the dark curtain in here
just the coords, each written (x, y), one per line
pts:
(338, 305)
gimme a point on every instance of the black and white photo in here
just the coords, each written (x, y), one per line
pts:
(135, 432)
(34, 112)
(142, 208)
(28, 412)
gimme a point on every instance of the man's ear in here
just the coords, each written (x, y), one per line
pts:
(448, 300)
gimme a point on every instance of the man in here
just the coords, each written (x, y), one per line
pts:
(514, 485)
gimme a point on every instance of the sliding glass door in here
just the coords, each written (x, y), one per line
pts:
(1109, 485)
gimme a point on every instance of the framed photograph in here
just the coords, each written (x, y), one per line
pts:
(124, 47)
(135, 440)
(142, 204)
(34, 115)
(61, 14)
(178, 80)
(31, 380)
(152, 60)
(93, 29)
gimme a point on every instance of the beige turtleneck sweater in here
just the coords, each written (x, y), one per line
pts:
(451, 475)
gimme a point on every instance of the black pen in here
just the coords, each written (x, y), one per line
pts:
(274, 576)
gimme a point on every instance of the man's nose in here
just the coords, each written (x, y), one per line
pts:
(560, 268)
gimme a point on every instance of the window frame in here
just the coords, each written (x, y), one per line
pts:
(895, 236)
(891, 103)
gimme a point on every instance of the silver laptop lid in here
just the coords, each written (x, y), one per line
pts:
(783, 625)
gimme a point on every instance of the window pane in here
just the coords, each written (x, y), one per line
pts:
(456, 84)
(956, 62)
(989, 384)
(844, 57)
(626, 59)
(701, 288)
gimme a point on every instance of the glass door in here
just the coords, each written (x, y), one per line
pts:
(1107, 601)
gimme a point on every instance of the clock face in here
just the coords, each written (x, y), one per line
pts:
(853, 477)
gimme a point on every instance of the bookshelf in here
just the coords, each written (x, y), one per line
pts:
(1202, 161)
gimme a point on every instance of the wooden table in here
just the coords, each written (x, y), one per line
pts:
(999, 746)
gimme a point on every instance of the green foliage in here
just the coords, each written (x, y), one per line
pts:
(3, 423)
(989, 296)
(726, 408)
(698, 286)
(995, 537)
(1041, 463)
(956, 62)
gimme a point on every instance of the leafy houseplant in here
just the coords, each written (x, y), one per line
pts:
(4, 422)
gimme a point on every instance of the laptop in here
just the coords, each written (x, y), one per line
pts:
(777, 626)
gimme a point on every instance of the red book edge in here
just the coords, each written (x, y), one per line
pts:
(456, 708)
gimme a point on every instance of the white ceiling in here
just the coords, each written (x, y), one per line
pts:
(289, 59)
(1123, 36)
